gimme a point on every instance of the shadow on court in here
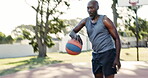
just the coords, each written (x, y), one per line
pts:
(133, 69)
(130, 69)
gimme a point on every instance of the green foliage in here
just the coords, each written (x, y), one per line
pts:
(34, 45)
(144, 35)
(5, 39)
(143, 25)
(2, 38)
(18, 31)
(27, 35)
(132, 8)
(126, 33)
(2, 35)
(115, 1)
(9, 39)
(48, 41)
(56, 25)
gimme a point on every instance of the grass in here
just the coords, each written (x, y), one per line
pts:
(130, 54)
(127, 54)
(11, 65)
(66, 58)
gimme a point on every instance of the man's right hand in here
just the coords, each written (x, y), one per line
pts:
(78, 38)
(73, 35)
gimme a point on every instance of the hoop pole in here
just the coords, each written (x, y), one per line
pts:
(134, 7)
(137, 32)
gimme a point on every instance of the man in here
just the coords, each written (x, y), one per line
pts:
(105, 41)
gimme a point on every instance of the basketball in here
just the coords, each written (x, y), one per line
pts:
(73, 47)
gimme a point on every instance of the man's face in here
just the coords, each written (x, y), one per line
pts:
(92, 9)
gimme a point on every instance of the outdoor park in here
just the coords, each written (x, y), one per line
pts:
(38, 51)
(64, 65)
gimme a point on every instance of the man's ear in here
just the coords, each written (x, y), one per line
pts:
(97, 7)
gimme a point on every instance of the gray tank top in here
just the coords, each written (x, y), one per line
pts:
(99, 36)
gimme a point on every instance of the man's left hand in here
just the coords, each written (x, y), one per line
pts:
(117, 64)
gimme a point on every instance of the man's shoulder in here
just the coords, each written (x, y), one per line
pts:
(85, 19)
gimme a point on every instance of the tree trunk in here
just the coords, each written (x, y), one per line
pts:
(115, 14)
(41, 45)
(42, 50)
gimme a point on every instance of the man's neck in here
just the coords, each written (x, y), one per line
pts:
(95, 18)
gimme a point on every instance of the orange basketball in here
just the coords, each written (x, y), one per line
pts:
(73, 47)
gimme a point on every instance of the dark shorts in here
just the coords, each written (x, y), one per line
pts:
(103, 62)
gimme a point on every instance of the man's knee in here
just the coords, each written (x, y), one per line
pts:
(110, 76)
(100, 75)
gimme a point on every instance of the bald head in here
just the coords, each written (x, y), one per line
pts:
(94, 2)
(92, 8)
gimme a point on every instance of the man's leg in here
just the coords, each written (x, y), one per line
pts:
(100, 75)
(108, 69)
(96, 65)
(111, 76)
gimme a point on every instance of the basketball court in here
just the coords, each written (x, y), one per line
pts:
(130, 69)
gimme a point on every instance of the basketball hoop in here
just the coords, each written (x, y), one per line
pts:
(134, 3)
(134, 6)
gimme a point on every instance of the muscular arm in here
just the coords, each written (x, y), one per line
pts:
(78, 28)
(112, 30)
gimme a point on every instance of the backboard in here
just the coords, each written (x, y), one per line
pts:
(122, 3)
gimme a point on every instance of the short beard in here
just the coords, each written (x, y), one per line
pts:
(93, 17)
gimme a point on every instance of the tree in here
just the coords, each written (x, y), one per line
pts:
(9, 39)
(5, 39)
(47, 22)
(143, 25)
(2, 37)
(17, 33)
(130, 23)
(136, 25)
(143, 28)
